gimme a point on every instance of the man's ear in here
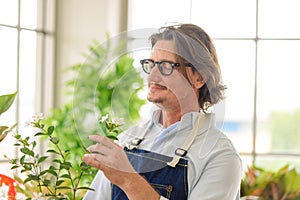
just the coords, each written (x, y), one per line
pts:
(196, 79)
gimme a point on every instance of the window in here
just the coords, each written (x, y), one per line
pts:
(27, 44)
(258, 43)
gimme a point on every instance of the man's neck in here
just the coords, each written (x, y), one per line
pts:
(169, 118)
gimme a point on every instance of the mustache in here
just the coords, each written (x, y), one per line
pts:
(152, 83)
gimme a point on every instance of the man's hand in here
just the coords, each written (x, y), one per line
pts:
(110, 158)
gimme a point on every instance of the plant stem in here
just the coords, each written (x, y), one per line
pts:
(75, 189)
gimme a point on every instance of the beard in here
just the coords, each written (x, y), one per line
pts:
(154, 100)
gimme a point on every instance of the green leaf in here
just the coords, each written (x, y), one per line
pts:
(40, 133)
(66, 165)
(292, 181)
(41, 159)
(52, 168)
(6, 101)
(43, 172)
(46, 182)
(57, 161)
(50, 130)
(22, 159)
(54, 140)
(33, 177)
(58, 183)
(24, 170)
(52, 151)
(2, 129)
(33, 144)
(84, 166)
(51, 171)
(85, 188)
(14, 167)
(65, 176)
(112, 136)
(63, 187)
(28, 179)
(17, 136)
(27, 151)
(28, 167)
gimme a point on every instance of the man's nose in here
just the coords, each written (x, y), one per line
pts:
(155, 69)
(155, 74)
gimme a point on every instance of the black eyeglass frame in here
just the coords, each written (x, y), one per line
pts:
(160, 66)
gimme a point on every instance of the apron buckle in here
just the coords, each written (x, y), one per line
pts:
(180, 152)
(136, 141)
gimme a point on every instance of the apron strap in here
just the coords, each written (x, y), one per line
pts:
(181, 152)
(133, 144)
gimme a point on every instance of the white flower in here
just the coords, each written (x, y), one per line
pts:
(28, 123)
(4, 192)
(34, 119)
(20, 196)
(118, 121)
(104, 118)
(38, 196)
(37, 117)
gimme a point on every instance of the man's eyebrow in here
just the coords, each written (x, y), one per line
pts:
(165, 60)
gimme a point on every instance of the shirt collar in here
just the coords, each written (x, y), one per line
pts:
(188, 120)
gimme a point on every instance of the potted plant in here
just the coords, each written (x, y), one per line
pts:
(261, 184)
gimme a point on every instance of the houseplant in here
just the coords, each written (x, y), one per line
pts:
(283, 184)
(5, 103)
(91, 95)
(6, 183)
(51, 175)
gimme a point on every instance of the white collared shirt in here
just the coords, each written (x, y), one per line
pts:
(214, 165)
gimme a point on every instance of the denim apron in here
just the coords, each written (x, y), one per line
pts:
(167, 175)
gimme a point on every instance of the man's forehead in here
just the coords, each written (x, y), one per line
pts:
(163, 47)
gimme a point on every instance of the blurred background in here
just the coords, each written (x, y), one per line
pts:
(257, 41)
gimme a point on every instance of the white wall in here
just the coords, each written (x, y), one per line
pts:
(78, 23)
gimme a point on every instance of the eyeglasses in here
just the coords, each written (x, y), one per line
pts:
(165, 67)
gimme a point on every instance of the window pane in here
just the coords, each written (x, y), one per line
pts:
(8, 84)
(236, 60)
(278, 105)
(27, 74)
(246, 161)
(274, 163)
(8, 67)
(29, 14)
(231, 18)
(279, 18)
(156, 13)
(9, 12)
(5, 169)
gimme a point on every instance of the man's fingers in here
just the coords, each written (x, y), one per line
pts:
(91, 160)
(99, 148)
(102, 140)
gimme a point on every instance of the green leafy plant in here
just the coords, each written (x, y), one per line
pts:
(58, 180)
(283, 184)
(92, 90)
(5, 103)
